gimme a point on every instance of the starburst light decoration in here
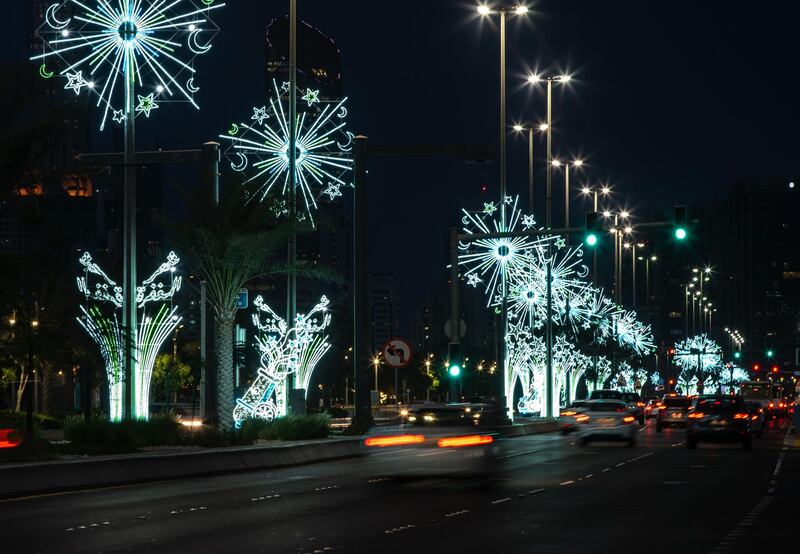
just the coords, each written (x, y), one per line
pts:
(258, 148)
(158, 318)
(492, 261)
(700, 359)
(102, 45)
(284, 351)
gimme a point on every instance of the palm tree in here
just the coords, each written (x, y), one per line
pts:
(228, 244)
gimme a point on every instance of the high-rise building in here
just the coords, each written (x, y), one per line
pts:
(756, 238)
(384, 308)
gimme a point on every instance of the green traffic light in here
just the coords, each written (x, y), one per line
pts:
(591, 239)
(680, 233)
(737, 355)
(770, 353)
(454, 370)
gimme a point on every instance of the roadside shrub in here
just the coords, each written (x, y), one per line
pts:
(162, 429)
(16, 420)
(301, 427)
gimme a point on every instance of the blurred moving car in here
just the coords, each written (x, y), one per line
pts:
(651, 410)
(673, 412)
(606, 420)
(568, 420)
(9, 438)
(635, 405)
(719, 418)
(437, 440)
(757, 418)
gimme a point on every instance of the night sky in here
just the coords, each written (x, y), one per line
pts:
(670, 102)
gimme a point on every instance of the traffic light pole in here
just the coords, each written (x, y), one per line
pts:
(455, 317)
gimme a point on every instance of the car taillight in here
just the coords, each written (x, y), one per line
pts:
(569, 413)
(697, 415)
(739, 416)
(755, 417)
(628, 419)
(781, 405)
(9, 438)
(771, 405)
(582, 418)
(394, 440)
(471, 440)
(640, 404)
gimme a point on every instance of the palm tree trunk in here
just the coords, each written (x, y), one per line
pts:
(225, 402)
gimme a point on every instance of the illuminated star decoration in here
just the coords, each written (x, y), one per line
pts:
(151, 43)
(489, 208)
(333, 191)
(311, 96)
(528, 221)
(119, 116)
(322, 153)
(260, 114)
(75, 82)
(473, 279)
(286, 86)
(284, 351)
(146, 103)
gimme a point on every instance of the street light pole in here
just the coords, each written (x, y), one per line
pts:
(530, 169)
(291, 278)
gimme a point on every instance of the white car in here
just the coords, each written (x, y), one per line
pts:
(606, 420)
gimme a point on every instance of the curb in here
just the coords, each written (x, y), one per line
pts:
(60, 476)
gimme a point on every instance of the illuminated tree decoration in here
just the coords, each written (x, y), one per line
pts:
(158, 318)
(629, 332)
(284, 351)
(259, 148)
(700, 360)
(104, 44)
(526, 353)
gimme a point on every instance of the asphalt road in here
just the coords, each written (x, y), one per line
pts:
(553, 496)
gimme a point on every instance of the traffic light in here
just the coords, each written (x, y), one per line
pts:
(681, 221)
(774, 369)
(593, 228)
(454, 360)
(756, 367)
(770, 353)
(737, 355)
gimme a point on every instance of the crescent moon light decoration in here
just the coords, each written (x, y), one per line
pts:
(154, 40)
(323, 150)
(241, 165)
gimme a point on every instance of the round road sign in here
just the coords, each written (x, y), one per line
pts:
(397, 353)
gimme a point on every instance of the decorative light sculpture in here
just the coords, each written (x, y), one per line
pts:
(491, 261)
(104, 328)
(629, 332)
(700, 359)
(284, 351)
(131, 54)
(323, 159)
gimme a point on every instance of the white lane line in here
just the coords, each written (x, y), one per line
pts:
(536, 491)
(515, 454)
(501, 500)
(779, 464)
(589, 476)
(566, 483)
(620, 464)
(606, 469)
(458, 513)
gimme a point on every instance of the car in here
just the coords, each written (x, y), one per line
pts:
(567, 421)
(605, 394)
(606, 420)
(673, 412)
(719, 418)
(757, 418)
(635, 405)
(652, 407)
(436, 441)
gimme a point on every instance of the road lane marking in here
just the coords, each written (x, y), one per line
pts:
(566, 483)
(536, 491)
(501, 500)
(515, 454)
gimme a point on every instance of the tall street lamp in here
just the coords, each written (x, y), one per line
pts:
(530, 129)
(486, 11)
(566, 165)
(653, 259)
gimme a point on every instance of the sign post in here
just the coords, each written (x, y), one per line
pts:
(398, 354)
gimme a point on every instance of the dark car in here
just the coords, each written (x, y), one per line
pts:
(635, 405)
(719, 418)
(605, 394)
(757, 418)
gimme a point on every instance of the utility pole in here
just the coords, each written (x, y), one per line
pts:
(291, 288)
(363, 411)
